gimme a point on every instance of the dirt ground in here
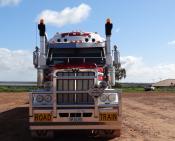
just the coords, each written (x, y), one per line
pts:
(146, 117)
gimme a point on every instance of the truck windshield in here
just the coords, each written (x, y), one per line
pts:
(76, 55)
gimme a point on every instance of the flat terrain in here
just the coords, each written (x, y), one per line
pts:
(146, 117)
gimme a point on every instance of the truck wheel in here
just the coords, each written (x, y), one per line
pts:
(41, 134)
(94, 133)
(117, 133)
(112, 133)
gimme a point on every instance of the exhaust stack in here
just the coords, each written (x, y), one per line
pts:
(108, 29)
(109, 61)
(42, 54)
(42, 29)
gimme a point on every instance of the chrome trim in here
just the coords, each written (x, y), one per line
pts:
(45, 106)
(55, 77)
(30, 104)
(79, 57)
(70, 70)
(96, 112)
(77, 77)
(54, 98)
(77, 127)
(75, 105)
(108, 105)
(71, 92)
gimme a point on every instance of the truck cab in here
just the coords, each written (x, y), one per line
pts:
(74, 91)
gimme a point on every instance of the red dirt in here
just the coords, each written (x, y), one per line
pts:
(146, 117)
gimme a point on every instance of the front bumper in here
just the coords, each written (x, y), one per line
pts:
(76, 126)
(64, 123)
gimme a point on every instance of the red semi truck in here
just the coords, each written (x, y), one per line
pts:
(75, 77)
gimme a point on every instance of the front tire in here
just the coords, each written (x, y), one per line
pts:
(42, 134)
(112, 133)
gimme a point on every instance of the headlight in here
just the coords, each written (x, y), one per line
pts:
(112, 97)
(48, 98)
(39, 98)
(42, 98)
(103, 98)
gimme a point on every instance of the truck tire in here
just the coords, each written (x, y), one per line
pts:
(42, 134)
(117, 133)
(109, 134)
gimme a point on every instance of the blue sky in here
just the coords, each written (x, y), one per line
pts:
(143, 30)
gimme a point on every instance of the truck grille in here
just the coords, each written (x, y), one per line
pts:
(71, 88)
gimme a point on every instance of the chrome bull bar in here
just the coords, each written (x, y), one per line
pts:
(78, 89)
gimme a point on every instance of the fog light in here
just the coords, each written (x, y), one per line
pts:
(48, 98)
(112, 97)
(39, 98)
(103, 98)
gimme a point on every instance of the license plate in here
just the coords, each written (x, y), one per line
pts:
(43, 117)
(75, 119)
(108, 116)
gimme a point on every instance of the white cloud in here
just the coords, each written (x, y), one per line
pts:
(129, 61)
(9, 2)
(66, 16)
(138, 71)
(16, 65)
(172, 43)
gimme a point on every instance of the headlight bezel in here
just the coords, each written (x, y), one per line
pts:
(39, 98)
(46, 100)
(42, 99)
(111, 98)
(103, 96)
